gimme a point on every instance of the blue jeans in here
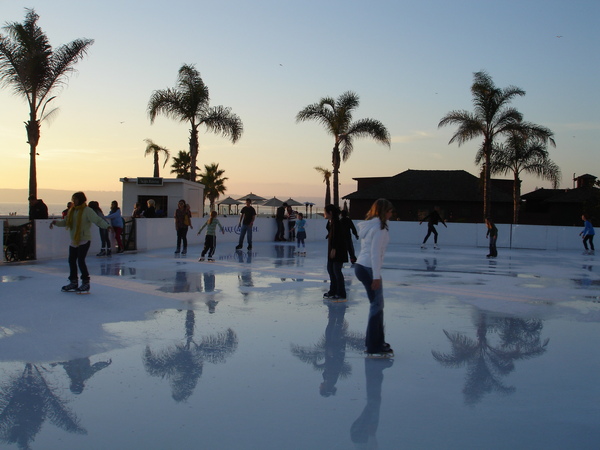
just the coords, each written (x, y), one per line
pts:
(246, 229)
(375, 339)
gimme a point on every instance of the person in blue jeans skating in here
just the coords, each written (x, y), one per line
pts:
(247, 216)
(588, 234)
(374, 237)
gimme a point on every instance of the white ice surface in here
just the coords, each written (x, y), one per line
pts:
(171, 353)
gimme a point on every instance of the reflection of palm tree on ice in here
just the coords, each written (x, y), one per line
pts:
(487, 363)
(364, 428)
(328, 355)
(26, 402)
(182, 364)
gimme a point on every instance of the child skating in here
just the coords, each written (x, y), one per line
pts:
(210, 241)
(300, 230)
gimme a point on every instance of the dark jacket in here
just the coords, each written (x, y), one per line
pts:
(335, 240)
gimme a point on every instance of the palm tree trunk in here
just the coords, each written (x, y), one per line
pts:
(327, 192)
(336, 170)
(156, 172)
(33, 137)
(193, 151)
(516, 198)
(487, 192)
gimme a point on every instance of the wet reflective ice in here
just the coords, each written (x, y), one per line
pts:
(243, 353)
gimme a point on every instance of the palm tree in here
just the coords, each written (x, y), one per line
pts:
(26, 402)
(491, 118)
(182, 364)
(34, 71)
(487, 363)
(182, 165)
(214, 183)
(336, 117)
(327, 180)
(155, 149)
(189, 102)
(522, 154)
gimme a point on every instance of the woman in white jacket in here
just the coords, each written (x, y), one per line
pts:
(374, 237)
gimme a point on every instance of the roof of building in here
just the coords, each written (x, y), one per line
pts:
(428, 185)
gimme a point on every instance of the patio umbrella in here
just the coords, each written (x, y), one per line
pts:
(290, 201)
(274, 202)
(253, 197)
(230, 201)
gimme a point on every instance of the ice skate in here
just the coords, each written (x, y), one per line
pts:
(211, 260)
(71, 287)
(84, 288)
(435, 247)
(108, 252)
(201, 259)
(389, 353)
(423, 247)
(102, 253)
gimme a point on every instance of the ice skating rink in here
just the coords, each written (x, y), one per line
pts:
(243, 353)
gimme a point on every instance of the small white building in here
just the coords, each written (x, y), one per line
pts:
(166, 193)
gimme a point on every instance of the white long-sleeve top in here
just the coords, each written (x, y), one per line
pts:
(374, 241)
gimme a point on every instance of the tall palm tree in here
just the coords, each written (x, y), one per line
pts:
(521, 153)
(182, 164)
(214, 183)
(336, 117)
(189, 102)
(327, 180)
(155, 149)
(491, 118)
(35, 71)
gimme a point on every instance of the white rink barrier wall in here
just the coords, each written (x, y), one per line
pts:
(160, 233)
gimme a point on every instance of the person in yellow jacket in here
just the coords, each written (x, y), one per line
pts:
(79, 221)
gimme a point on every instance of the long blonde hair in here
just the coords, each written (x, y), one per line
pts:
(379, 209)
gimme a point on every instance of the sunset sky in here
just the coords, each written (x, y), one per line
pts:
(410, 63)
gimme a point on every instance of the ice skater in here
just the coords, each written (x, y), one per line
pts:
(433, 218)
(374, 236)
(183, 221)
(336, 255)
(587, 234)
(492, 235)
(210, 241)
(117, 223)
(79, 221)
(104, 235)
(349, 230)
(247, 216)
(300, 232)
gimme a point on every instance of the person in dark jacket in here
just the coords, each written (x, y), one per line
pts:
(433, 218)
(37, 208)
(279, 218)
(337, 255)
(492, 235)
(349, 230)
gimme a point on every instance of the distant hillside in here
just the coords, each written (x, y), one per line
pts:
(57, 196)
